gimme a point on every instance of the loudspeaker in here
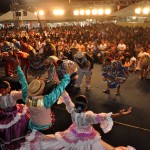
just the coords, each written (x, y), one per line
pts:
(24, 13)
(18, 13)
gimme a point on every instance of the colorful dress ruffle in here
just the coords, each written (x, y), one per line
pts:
(79, 136)
(114, 76)
(13, 117)
(13, 124)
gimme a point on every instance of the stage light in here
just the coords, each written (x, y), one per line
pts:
(41, 13)
(35, 13)
(81, 12)
(61, 12)
(107, 11)
(145, 10)
(94, 12)
(100, 12)
(138, 10)
(76, 12)
(55, 12)
(87, 12)
(133, 17)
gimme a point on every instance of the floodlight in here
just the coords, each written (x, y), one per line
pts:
(94, 12)
(138, 10)
(61, 12)
(87, 12)
(100, 11)
(35, 13)
(55, 12)
(81, 12)
(41, 13)
(133, 17)
(107, 11)
(145, 10)
(76, 12)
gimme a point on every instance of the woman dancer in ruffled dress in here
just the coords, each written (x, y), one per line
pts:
(80, 135)
(13, 117)
(115, 74)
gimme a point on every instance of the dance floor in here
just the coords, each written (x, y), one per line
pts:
(133, 129)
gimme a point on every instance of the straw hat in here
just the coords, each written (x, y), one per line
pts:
(79, 54)
(36, 87)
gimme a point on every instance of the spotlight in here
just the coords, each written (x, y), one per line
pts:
(35, 13)
(76, 12)
(133, 17)
(55, 12)
(61, 12)
(41, 13)
(94, 12)
(107, 11)
(138, 10)
(100, 11)
(81, 12)
(87, 12)
(145, 10)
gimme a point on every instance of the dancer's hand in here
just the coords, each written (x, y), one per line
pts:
(123, 112)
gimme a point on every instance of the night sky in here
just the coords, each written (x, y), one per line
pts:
(4, 5)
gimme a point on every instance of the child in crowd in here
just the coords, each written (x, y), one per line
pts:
(132, 67)
(127, 63)
(80, 135)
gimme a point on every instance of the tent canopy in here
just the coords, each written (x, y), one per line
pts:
(30, 16)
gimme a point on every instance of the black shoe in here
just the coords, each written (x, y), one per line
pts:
(106, 91)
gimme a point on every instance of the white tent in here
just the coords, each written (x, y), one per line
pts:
(130, 11)
(30, 16)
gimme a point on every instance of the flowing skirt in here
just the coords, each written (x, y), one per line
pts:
(38, 141)
(13, 124)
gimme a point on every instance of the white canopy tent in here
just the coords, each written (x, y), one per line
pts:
(29, 17)
(130, 11)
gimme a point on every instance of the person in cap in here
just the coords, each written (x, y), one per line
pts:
(85, 65)
(80, 135)
(39, 104)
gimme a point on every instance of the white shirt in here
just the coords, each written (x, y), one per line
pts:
(121, 47)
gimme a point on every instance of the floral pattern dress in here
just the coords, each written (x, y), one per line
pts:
(114, 74)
